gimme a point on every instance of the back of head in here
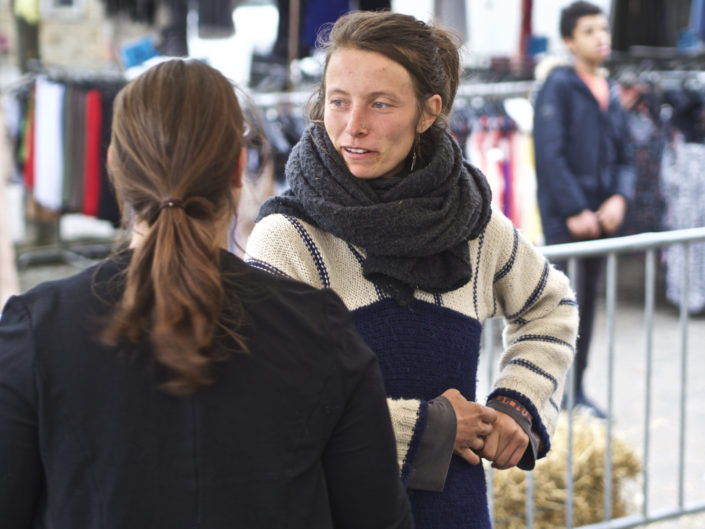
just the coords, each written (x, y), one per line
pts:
(429, 53)
(177, 134)
(571, 14)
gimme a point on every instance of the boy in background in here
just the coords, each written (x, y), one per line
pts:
(584, 174)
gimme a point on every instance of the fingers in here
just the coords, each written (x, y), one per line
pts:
(506, 445)
(511, 460)
(470, 452)
(468, 455)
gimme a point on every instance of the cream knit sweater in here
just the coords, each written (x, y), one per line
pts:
(510, 278)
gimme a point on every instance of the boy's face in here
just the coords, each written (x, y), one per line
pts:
(591, 39)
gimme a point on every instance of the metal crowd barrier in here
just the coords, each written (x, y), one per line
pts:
(648, 244)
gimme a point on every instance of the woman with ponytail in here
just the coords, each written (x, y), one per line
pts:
(172, 385)
(383, 209)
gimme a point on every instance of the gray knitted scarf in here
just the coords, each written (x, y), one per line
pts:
(414, 228)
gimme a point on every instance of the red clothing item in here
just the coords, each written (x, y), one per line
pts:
(91, 171)
(28, 167)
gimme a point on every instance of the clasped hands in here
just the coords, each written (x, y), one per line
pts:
(485, 432)
(592, 224)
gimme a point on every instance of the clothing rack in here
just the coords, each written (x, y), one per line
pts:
(75, 252)
(465, 90)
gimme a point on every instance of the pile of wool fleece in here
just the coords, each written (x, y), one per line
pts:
(589, 448)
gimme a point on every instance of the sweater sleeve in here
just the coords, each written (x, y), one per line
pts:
(541, 317)
(554, 175)
(20, 466)
(286, 246)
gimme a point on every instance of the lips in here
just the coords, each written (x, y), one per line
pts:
(353, 150)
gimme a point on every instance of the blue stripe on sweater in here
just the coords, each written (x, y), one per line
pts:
(535, 295)
(360, 259)
(544, 338)
(536, 369)
(510, 262)
(263, 265)
(568, 301)
(480, 245)
(312, 249)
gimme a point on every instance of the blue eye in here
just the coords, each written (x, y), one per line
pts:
(379, 104)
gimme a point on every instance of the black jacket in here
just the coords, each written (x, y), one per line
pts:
(296, 434)
(581, 152)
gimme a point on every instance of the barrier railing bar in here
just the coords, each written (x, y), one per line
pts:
(640, 241)
(647, 243)
(637, 520)
(611, 297)
(684, 370)
(529, 500)
(649, 302)
(570, 394)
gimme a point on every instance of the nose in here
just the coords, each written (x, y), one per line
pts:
(356, 125)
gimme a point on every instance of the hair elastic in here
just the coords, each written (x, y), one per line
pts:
(172, 203)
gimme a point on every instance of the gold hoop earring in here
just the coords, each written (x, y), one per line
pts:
(414, 149)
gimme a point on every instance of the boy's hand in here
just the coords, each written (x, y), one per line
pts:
(584, 226)
(611, 214)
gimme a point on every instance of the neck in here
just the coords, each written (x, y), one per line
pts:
(586, 67)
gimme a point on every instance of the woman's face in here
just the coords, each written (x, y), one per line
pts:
(371, 113)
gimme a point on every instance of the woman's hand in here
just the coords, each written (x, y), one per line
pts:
(506, 443)
(475, 423)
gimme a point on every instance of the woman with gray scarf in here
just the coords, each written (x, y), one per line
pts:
(383, 209)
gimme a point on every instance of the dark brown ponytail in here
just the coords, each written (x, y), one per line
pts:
(176, 139)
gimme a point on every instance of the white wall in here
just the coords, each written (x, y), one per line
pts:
(493, 25)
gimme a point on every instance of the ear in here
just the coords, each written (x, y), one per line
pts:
(240, 169)
(109, 156)
(568, 43)
(432, 108)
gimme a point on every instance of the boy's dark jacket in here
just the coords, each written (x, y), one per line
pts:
(581, 152)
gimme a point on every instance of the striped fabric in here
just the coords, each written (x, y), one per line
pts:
(435, 344)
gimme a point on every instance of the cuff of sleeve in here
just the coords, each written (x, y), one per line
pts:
(436, 447)
(523, 418)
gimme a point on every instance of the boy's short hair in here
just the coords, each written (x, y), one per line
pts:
(571, 14)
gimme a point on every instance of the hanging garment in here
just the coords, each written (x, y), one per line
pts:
(48, 144)
(138, 10)
(452, 14)
(78, 151)
(316, 13)
(215, 19)
(27, 151)
(91, 178)
(107, 202)
(646, 142)
(67, 128)
(683, 188)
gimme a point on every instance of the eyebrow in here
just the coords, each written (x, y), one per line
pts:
(371, 95)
